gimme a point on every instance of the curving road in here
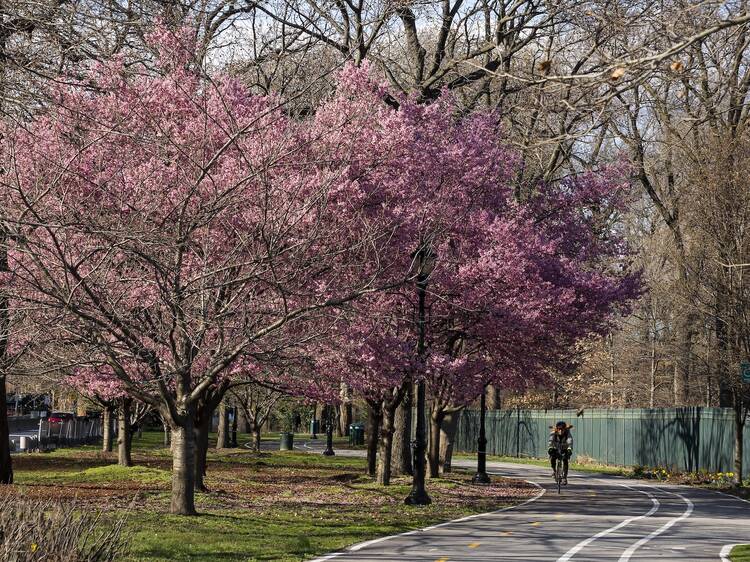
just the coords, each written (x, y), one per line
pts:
(596, 518)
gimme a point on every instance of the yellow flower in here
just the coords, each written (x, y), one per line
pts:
(34, 547)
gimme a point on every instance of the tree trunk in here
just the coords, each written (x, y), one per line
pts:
(256, 436)
(739, 426)
(611, 342)
(107, 437)
(493, 398)
(183, 469)
(385, 445)
(201, 429)
(683, 360)
(242, 425)
(336, 420)
(233, 443)
(652, 375)
(433, 454)
(447, 438)
(124, 433)
(725, 390)
(401, 449)
(167, 431)
(6, 464)
(319, 408)
(373, 430)
(222, 437)
(345, 418)
(349, 416)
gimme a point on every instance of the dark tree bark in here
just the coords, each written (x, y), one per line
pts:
(401, 461)
(373, 430)
(345, 418)
(726, 399)
(6, 464)
(124, 433)
(200, 446)
(384, 447)
(204, 414)
(233, 442)
(107, 437)
(740, 415)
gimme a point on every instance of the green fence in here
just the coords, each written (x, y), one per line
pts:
(689, 439)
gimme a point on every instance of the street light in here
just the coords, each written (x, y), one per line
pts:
(481, 477)
(425, 260)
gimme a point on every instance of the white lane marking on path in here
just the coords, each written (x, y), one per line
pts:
(572, 552)
(725, 551)
(354, 548)
(635, 546)
(732, 496)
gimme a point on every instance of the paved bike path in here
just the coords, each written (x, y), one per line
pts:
(595, 518)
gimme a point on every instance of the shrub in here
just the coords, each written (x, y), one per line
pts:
(46, 531)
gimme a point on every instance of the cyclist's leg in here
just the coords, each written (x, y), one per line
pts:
(566, 458)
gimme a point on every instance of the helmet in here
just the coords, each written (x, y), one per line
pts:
(561, 424)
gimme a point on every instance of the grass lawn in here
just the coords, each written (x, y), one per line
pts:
(740, 553)
(261, 506)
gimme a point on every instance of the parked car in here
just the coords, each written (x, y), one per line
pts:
(58, 417)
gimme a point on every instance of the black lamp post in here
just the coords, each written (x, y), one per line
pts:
(418, 495)
(481, 477)
(329, 432)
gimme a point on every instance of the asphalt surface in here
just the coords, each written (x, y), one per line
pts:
(595, 518)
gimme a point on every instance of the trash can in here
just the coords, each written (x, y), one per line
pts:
(356, 434)
(287, 442)
(314, 428)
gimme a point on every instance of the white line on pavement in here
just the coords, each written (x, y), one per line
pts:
(365, 544)
(568, 555)
(630, 551)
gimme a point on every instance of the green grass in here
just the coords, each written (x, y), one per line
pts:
(111, 473)
(740, 553)
(278, 534)
(285, 506)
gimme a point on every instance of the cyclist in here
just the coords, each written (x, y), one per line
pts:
(560, 446)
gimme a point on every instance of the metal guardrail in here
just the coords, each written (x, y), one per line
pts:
(42, 434)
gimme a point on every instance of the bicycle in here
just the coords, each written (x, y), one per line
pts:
(559, 469)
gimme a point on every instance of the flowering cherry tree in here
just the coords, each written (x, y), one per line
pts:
(99, 384)
(511, 284)
(177, 224)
